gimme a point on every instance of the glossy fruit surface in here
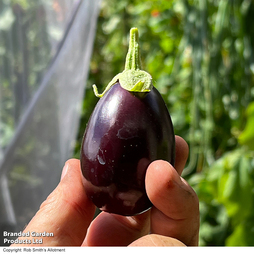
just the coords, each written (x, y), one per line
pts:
(125, 133)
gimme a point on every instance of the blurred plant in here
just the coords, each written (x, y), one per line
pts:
(226, 193)
(24, 55)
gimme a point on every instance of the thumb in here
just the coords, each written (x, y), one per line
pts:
(176, 206)
(66, 213)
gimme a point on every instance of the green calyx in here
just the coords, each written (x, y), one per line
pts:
(132, 78)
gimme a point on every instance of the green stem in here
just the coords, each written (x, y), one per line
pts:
(132, 79)
(133, 58)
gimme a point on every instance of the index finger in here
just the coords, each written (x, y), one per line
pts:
(66, 213)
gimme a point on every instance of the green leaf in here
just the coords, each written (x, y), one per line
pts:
(247, 136)
(235, 185)
(243, 234)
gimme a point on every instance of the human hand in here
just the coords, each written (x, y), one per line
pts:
(172, 221)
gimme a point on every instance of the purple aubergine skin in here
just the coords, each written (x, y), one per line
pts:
(124, 135)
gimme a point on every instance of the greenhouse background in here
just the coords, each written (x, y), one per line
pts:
(44, 61)
(200, 54)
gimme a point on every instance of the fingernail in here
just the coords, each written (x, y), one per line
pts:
(64, 171)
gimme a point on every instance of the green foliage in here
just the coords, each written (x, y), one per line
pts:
(227, 187)
(200, 55)
(247, 136)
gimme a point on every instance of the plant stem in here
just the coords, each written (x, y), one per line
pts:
(133, 58)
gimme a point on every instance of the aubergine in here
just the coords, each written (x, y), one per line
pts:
(129, 128)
